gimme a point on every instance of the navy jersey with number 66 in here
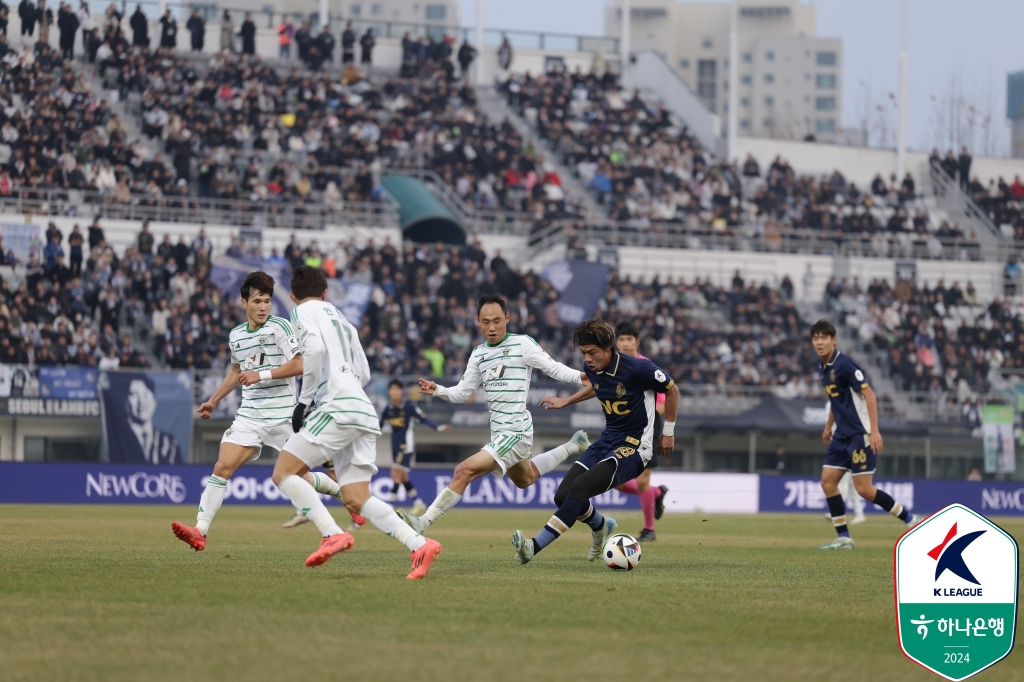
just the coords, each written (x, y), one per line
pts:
(626, 391)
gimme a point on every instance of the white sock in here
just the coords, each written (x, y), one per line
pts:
(210, 502)
(547, 461)
(445, 501)
(323, 484)
(308, 502)
(381, 515)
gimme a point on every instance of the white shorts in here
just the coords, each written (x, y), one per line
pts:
(509, 449)
(251, 434)
(353, 451)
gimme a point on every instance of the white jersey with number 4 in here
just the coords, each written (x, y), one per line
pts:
(270, 345)
(504, 370)
(334, 368)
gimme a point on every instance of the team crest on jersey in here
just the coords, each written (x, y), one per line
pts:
(263, 340)
(832, 377)
(620, 390)
(505, 351)
(624, 451)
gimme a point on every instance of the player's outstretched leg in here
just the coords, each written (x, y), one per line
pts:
(573, 499)
(289, 472)
(869, 492)
(231, 456)
(384, 518)
(546, 462)
(468, 470)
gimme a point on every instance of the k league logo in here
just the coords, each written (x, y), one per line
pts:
(956, 576)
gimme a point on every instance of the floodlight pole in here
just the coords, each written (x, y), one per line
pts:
(323, 14)
(624, 44)
(734, 80)
(480, 43)
(901, 149)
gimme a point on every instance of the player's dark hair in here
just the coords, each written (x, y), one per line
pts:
(823, 327)
(395, 382)
(491, 298)
(308, 282)
(627, 329)
(594, 332)
(257, 282)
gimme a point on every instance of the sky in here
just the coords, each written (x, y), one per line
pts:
(958, 51)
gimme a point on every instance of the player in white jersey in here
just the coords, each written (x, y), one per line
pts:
(503, 365)
(264, 360)
(342, 424)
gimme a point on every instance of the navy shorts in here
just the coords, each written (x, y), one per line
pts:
(401, 458)
(623, 449)
(853, 454)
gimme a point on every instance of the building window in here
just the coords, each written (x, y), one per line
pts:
(376, 9)
(437, 12)
(826, 59)
(748, 57)
(826, 81)
(707, 44)
(767, 123)
(745, 123)
(684, 63)
(744, 101)
(769, 56)
(825, 104)
(769, 78)
(355, 10)
(706, 83)
(825, 125)
(745, 80)
(769, 101)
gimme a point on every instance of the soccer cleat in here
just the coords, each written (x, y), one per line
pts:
(647, 536)
(414, 522)
(914, 520)
(335, 544)
(524, 547)
(422, 558)
(418, 508)
(839, 543)
(296, 520)
(659, 502)
(859, 518)
(601, 536)
(580, 440)
(357, 519)
(189, 535)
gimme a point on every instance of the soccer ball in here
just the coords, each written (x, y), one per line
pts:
(621, 552)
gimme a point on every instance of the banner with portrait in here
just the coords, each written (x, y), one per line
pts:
(146, 416)
(997, 432)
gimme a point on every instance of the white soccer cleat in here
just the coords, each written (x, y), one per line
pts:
(914, 520)
(524, 547)
(418, 508)
(859, 518)
(600, 537)
(580, 440)
(413, 521)
(839, 543)
(296, 520)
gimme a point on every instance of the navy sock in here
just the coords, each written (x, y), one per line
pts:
(593, 518)
(394, 489)
(545, 537)
(562, 521)
(837, 510)
(410, 490)
(885, 501)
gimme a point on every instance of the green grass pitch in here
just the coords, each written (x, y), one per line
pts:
(107, 593)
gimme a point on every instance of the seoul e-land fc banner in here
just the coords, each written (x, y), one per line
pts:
(956, 576)
(146, 417)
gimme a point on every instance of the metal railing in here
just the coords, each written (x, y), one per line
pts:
(285, 215)
(948, 187)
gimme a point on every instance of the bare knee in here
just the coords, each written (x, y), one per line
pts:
(524, 476)
(866, 490)
(223, 470)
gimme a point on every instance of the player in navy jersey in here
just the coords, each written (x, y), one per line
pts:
(626, 387)
(851, 434)
(400, 414)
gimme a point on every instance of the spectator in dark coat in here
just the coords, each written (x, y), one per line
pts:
(467, 53)
(325, 45)
(27, 13)
(248, 35)
(140, 28)
(168, 30)
(197, 27)
(964, 163)
(67, 23)
(348, 45)
(303, 41)
(367, 42)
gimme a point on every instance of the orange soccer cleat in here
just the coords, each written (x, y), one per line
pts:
(357, 519)
(336, 544)
(422, 558)
(189, 535)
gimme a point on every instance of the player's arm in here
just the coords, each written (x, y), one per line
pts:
(553, 402)
(225, 388)
(876, 434)
(458, 393)
(289, 345)
(826, 435)
(361, 364)
(414, 411)
(313, 350)
(534, 356)
(668, 439)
